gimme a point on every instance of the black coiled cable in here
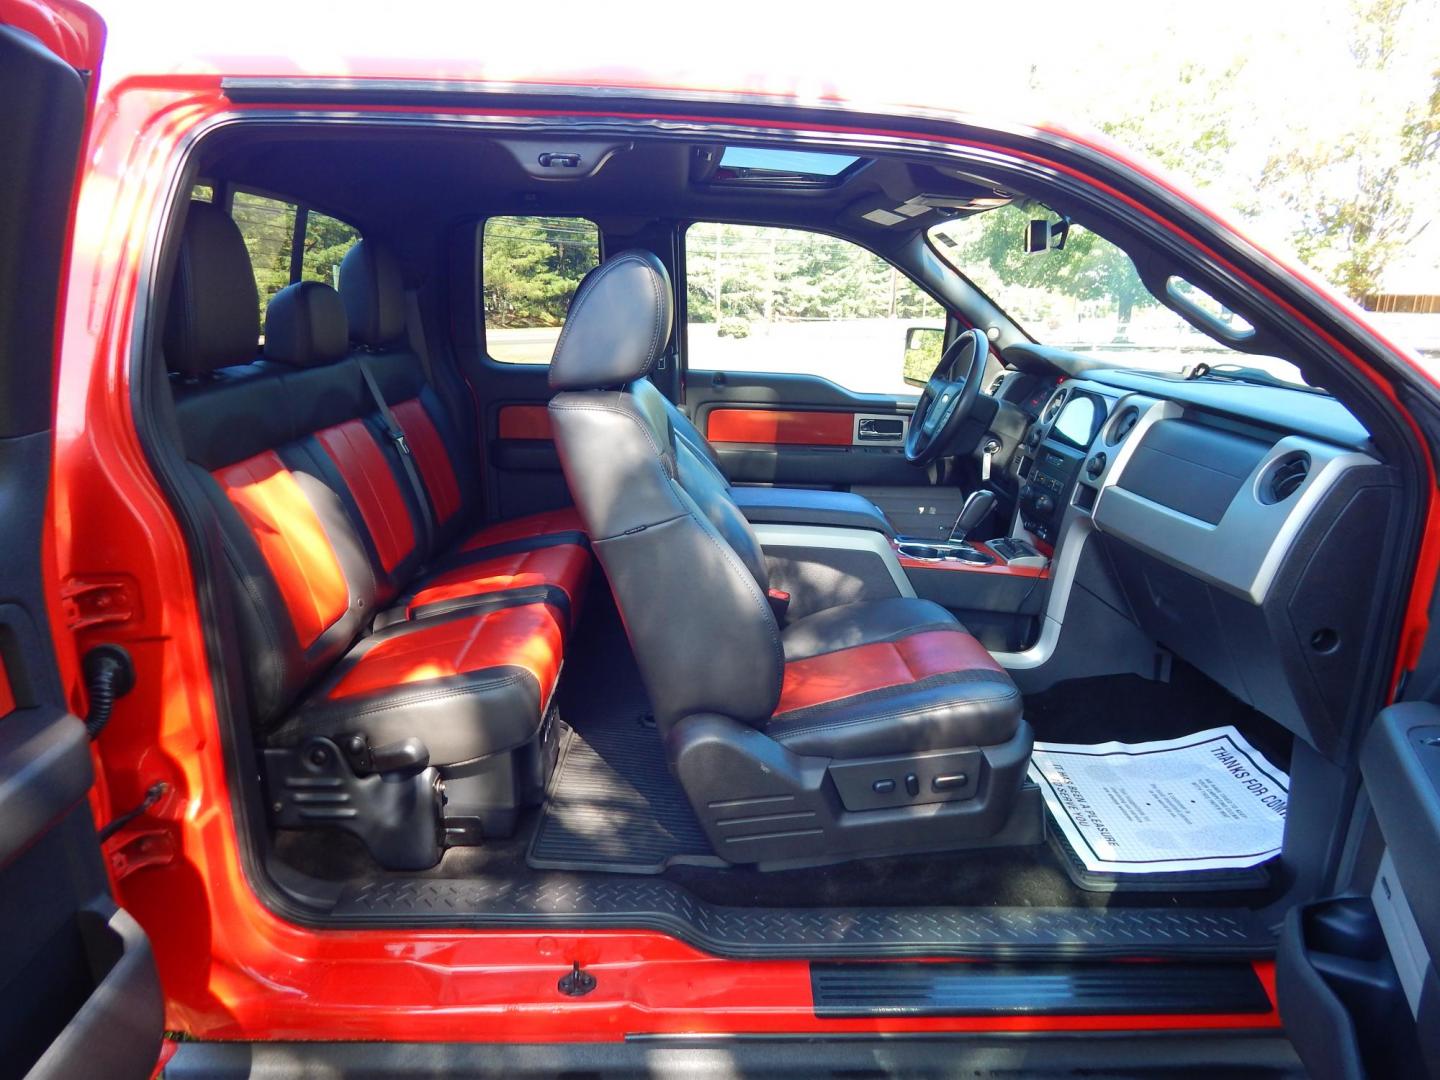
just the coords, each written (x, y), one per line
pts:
(109, 676)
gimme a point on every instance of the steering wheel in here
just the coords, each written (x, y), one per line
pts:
(948, 398)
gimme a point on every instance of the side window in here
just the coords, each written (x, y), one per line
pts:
(790, 301)
(530, 268)
(268, 226)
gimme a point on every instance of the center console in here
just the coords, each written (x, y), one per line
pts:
(1052, 457)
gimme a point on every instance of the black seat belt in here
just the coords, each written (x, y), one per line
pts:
(396, 435)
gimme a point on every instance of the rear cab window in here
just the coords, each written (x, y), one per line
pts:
(288, 242)
(798, 302)
(530, 269)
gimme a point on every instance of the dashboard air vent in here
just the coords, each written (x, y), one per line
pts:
(1123, 425)
(1284, 477)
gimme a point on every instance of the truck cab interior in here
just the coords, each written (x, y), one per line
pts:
(545, 589)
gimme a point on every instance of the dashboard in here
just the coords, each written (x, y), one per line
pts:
(1237, 526)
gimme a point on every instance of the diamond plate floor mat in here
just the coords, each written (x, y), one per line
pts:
(573, 901)
(613, 805)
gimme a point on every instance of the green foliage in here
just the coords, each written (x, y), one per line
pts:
(326, 242)
(268, 227)
(531, 267)
(989, 248)
(922, 360)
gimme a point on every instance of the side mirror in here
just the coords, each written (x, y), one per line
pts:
(923, 347)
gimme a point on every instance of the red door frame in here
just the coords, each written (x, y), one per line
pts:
(232, 968)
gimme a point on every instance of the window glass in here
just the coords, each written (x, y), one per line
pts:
(1088, 297)
(268, 226)
(326, 242)
(202, 193)
(796, 302)
(530, 268)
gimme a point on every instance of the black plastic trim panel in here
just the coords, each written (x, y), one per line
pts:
(564, 900)
(1018, 1056)
(847, 991)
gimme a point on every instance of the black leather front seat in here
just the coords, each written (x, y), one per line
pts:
(870, 728)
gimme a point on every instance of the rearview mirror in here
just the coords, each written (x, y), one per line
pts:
(1042, 235)
(923, 346)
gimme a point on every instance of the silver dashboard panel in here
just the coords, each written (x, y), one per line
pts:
(1244, 550)
(1241, 554)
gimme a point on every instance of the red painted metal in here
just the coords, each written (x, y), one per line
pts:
(232, 968)
(780, 427)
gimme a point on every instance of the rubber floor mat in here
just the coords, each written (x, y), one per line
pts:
(614, 806)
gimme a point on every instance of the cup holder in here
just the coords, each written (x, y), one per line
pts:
(937, 553)
(923, 551)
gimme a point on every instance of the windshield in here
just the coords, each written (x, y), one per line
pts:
(1087, 297)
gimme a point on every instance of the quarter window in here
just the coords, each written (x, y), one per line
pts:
(530, 269)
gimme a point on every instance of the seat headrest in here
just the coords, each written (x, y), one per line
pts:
(617, 326)
(374, 294)
(305, 325)
(214, 315)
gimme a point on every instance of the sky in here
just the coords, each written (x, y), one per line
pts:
(1076, 64)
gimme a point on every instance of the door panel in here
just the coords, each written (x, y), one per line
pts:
(797, 430)
(804, 431)
(1357, 985)
(79, 992)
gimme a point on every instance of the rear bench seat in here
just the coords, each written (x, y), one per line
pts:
(400, 660)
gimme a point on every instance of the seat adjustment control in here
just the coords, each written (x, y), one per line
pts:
(883, 787)
(912, 784)
(948, 783)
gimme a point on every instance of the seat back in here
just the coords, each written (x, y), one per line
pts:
(685, 567)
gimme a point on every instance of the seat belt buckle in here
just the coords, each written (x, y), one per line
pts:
(779, 603)
(398, 438)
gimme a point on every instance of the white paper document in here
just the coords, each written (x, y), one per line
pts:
(1207, 801)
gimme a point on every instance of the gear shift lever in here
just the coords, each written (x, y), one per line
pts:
(971, 514)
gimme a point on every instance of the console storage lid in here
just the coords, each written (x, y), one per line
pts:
(806, 506)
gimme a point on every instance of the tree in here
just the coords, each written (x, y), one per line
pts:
(1351, 191)
(532, 266)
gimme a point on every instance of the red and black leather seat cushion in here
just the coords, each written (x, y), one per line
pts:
(470, 684)
(886, 678)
